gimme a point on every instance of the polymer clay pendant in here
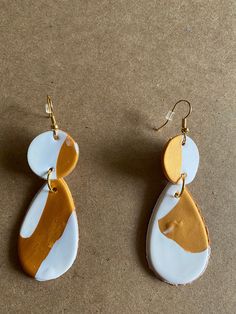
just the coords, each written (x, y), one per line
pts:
(177, 239)
(48, 240)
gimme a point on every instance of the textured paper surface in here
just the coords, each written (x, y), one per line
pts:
(114, 69)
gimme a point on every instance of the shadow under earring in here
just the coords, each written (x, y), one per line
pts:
(177, 239)
(48, 240)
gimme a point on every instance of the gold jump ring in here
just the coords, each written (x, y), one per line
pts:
(51, 189)
(179, 194)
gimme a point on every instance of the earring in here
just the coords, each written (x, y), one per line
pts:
(177, 239)
(48, 240)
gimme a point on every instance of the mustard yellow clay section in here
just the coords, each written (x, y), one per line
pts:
(58, 208)
(67, 158)
(172, 159)
(185, 225)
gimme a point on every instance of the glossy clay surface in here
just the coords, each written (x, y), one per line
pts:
(177, 239)
(48, 240)
(45, 152)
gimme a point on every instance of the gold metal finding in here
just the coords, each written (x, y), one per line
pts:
(184, 128)
(179, 194)
(50, 111)
(51, 189)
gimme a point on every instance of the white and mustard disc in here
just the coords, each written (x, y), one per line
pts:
(177, 240)
(179, 158)
(49, 235)
(46, 152)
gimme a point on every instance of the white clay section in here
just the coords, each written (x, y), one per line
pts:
(62, 254)
(190, 159)
(43, 153)
(34, 213)
(167, 201)
(171, 262)
(167, 259)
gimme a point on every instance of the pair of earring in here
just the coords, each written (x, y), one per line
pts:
(177, 245)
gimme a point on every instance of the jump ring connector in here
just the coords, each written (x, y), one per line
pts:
(184, 139)
(51, 189)
(179, 194)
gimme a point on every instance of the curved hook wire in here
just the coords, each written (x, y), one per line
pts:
(184, 128)
(189, 105)
(170, 114)
(49, 110)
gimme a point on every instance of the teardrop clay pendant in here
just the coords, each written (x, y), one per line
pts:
(48, 240)
(177, 239)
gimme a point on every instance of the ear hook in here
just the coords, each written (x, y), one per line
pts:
(49, 110)
(170, 114)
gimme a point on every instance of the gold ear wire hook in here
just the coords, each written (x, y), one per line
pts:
(50, 112)
(184, 128)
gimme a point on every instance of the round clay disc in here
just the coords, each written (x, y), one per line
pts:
(46, 152)
(179, 159)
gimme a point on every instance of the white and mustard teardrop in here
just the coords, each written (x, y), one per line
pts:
(49, 235)
(177, 239)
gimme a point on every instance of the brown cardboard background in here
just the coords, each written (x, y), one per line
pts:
(114, 68)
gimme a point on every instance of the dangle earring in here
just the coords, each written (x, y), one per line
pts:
(177, 245)
(48, 240)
